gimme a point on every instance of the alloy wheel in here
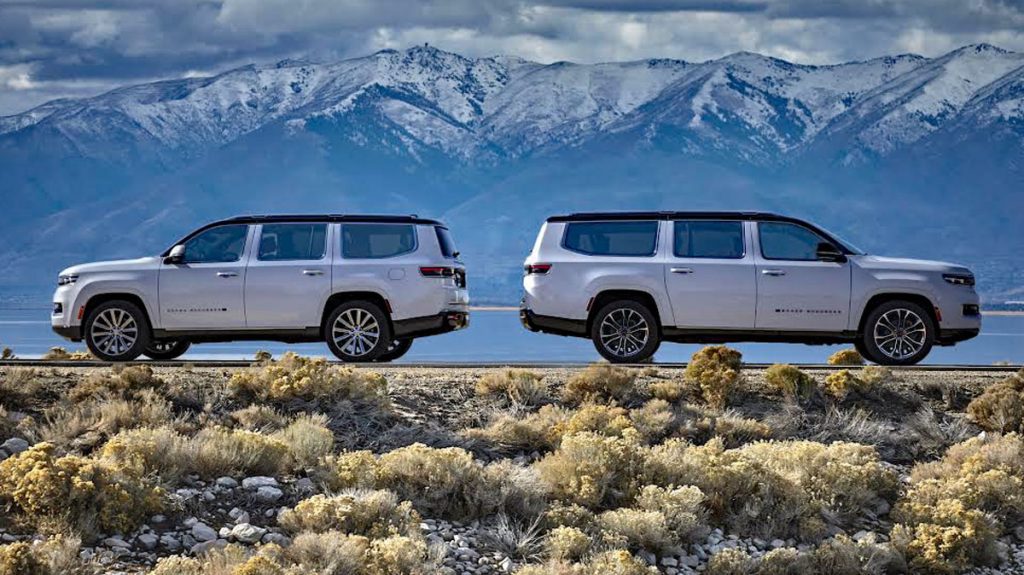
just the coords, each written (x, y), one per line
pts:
(114, 331)
(900, 333)
(356, 332)
(624, 332)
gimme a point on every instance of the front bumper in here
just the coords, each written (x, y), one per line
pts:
(72, 333)
(444, 322)
(954, 336)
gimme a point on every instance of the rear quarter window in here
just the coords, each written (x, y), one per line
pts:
(636, 239)
(375, 241)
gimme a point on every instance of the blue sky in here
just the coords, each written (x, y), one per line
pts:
(69, 48)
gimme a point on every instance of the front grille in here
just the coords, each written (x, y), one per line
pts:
(460, 278)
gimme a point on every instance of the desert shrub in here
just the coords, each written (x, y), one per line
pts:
(716, 369)
(777, 489)
(846, 357)
(520, 540)
(515, 385)
(258, 418)
(601, 419)
(62, 354)
(294, 377)
(399, 556)
(372, 513)
(842, 383)
(732, 428)
(348, 470)
(636, 529)
(670, 391)
(957, 506)
(599, 382)
(120, 381)
(791, 381)
(7, 353)
(875, 375)
(567, 543)
(18, 559)
(263, 356)
(538, 431)
(683, 508)
(594, 470)
(307, 439)
(51, 492)
(844, 556)
(327, 553)
(561, 514)
(1000, 407)
(618, 563)
(653, 420)
(731, 562)
(161, 451)
(86, 423)
(220, 451)
(177, 565)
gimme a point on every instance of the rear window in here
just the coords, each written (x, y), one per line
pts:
(369, 241)
(444, 239)
(280, 242)
(705, 239)
(612, 238)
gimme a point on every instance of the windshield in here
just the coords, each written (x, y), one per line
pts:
(843, 241)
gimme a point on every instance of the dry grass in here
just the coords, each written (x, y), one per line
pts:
(515, 386)
(84, 425)
(120, 381)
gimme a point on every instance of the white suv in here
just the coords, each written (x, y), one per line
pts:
(367, 285)
(630, 280)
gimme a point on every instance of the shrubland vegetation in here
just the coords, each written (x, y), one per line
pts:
(593, 471)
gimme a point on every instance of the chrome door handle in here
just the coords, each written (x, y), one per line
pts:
(312, 272)
(681, 270)
(773, 272)
(227, 274)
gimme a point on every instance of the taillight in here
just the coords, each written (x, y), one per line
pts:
(537, 268)
(437, 272)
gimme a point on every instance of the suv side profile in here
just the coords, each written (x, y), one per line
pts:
(366, 285)
(629, 281)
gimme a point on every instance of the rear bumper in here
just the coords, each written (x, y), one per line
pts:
(444, 322)
(553, 325)
(954, 336)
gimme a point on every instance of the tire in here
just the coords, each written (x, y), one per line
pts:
(371, 336)
(898, 332)
(167, 350)
(397, 349)
(609, 328)
(116, 331)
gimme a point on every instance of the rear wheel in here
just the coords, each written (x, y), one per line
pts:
(166, 350)
(358, 331)
(116, 331)
(898, 333)
(625, 331)
(397, 349)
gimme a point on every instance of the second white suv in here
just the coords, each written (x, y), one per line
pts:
(629, 281)
(366, 285)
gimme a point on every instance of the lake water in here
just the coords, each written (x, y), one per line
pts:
(497, 336)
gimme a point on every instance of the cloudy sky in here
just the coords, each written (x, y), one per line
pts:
(58, 48)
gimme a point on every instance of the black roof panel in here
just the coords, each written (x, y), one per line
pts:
(356, 218)
(668, 215)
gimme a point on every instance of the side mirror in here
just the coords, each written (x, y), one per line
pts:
(176, 256)
(829, 253)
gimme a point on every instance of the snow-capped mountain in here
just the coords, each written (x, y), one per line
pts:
(498, 142)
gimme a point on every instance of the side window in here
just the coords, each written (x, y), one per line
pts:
(612, 238)
(221, 244)
(279, 242)
(706, 239)
(785, 241)
(370, 241)
(444, 239)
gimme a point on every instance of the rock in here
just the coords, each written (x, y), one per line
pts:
(203, 547)
(777, 543)
(863, 536)
(258, 481)
(278, 538)
(224, 532)
(506, 565)
(227, 482)
(648, 557)
(243, 518)
(669, 561)
(203, 532)
(247, 533)
(268, 494)
(148, 541)
(170, 542)
(187, 493)
(305, 485)
(1019, 533)
(690, 560)
(209, 495)
(14, 445)
(157, 519)
(116, 542)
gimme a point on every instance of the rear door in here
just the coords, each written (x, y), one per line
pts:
(710, 275)
(796, 291)
(206, 290)
(289, 275)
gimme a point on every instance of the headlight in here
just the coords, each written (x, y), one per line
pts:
(66, 280)
(959, 279)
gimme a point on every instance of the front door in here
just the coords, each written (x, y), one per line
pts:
(710, 275)
(205, 291)
(796, 291)
(289, 276)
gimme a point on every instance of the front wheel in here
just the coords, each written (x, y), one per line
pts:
(898, 333)
(116, 331)
(397, 349)
(625, 331)
(357, 331)
(167, 350)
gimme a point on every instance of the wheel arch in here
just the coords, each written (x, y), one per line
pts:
(881, 298)
(94, 301)
(605, 297)
(339, 298)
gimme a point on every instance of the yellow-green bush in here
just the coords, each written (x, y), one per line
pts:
(733, 429)
(220, 451)
(49, 492)
(1000, 407)
(606, 563)
(594, 470)
(348, 470)
(398, 556)
(790, 381)
(161, 451)
(599, 382)
(716, 369)
(601, 419)
(294, 377)
(515, 385)
(683, 508)
(373, 513)
(120, 381)
(846, 357)
(653, 420)
(18, 559)
(62, 354)
(567, 543)
(842, 383)
(635, 529)
(308, 440)
(838, 556)
(258, 418)
(670, 391)
(957, 506)
(874, 375)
